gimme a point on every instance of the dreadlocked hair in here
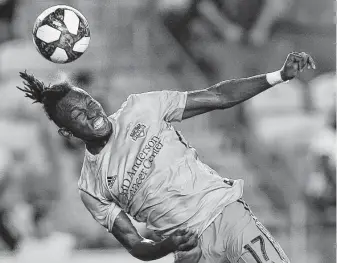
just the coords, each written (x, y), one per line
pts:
(49, 95)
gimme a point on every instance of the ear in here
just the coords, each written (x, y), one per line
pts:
(65, 133)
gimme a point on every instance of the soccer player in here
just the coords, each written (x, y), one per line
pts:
(136, 163)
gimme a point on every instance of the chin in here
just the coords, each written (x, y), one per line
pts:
(104, 132)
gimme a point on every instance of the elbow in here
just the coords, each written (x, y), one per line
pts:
(140, 252)
(141, 256)
(148, 250)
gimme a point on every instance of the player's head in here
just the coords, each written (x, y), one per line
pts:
(72, 109)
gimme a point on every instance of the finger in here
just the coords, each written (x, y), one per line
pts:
(309, 61)
(192, 235)
(299, 62)
(295, 59)
(191, 243)
(312, 62)
(182, 232)
(179, 232)
(188, 235)
(304, 60)
(296, 65)
(184, 239)
(194, 240)
(309, 65)
(295, 55)
(187, 246)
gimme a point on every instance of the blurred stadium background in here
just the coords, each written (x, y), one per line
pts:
(282, 143)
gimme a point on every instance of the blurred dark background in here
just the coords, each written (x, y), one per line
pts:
(282, 143)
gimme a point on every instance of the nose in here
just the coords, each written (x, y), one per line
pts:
(91, 114)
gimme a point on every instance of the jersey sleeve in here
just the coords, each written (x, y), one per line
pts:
(103, 213)
(166, 105)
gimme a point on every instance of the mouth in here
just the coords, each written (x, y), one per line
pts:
(98, 123)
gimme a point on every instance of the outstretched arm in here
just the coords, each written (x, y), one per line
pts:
(229, 93)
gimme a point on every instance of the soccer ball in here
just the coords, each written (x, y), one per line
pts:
(61, 34)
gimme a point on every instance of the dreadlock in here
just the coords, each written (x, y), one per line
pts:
(49, 96)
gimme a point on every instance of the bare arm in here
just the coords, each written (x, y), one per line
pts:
(229, 93)
(224, 95)
(138, 246)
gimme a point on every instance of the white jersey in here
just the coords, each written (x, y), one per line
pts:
(148, 170)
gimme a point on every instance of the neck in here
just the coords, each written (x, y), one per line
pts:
(95, 147)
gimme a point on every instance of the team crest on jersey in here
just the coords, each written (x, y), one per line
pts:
(111, 180)
(138, 131)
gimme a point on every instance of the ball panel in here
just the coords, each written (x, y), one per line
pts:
(71, 20)
(82, 44)
(59, 56)
(71, 40)
(83, 29)
(47, 12)
(45, 49)
(78, 13)
(55, 20)
(48, 34)
(73, 55)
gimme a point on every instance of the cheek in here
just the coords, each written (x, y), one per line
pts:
(100, 108)
(80, 127)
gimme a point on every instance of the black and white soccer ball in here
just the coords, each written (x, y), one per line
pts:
(61, 34)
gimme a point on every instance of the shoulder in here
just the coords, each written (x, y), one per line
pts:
(126, 106)
(152, 97)
(156, 94)
(163, 99)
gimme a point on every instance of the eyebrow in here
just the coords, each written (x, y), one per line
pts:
(74, 108)
(79, 108)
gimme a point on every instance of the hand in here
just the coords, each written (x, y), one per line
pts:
(183, 240)
(296, 62)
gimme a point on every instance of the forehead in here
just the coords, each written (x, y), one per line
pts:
(75, 98)
(78, 93)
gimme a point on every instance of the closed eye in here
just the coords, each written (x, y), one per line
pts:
(91, 103)
(80, 114)
(77, 115)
